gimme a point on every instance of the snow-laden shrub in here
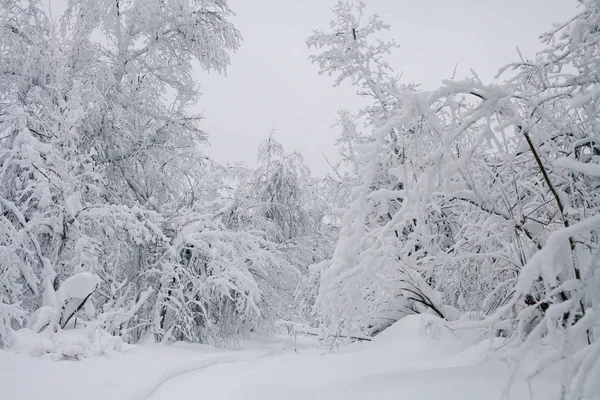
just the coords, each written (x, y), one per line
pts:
(90, 149)
(75, 344)
(216, 284)
(73, 295)
(488, 193)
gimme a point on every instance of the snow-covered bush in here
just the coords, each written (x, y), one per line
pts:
(486, 193)
(91, 150)
(216, 284)
(75, 344)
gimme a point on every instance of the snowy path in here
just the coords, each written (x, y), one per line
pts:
(139, 373)
(402, 363)
(220, 381)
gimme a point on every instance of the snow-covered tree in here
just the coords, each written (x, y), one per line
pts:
(95, 138)
(497, 194)
(350, 50)
(385, 163)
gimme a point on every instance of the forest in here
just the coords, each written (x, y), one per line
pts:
(476, 203)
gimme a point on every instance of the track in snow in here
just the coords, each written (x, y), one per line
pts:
(217, 380)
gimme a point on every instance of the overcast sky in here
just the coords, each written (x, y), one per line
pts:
(271, 81)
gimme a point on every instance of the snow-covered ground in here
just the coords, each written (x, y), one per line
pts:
(412, 360)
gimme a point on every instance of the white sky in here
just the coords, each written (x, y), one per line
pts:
(271, 81)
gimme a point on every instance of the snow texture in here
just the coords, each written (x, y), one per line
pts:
(417, 358)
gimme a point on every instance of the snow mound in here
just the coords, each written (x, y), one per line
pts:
(75, 344)
(477, 354)
(417, 327)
